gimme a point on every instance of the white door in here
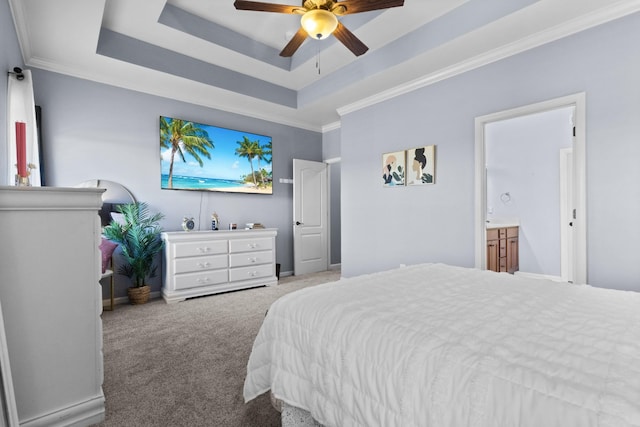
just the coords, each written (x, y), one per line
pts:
(310, 217)
(566, 214)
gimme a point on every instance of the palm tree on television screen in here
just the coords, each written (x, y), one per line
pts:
(248, 149)
(263, 153)
(184, 137)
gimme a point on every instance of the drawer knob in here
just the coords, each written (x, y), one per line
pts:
(254, 259)
(203, 280)
(203, 265)
(205, 249)
(252, 245)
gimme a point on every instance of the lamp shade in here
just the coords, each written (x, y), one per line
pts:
(319, 23)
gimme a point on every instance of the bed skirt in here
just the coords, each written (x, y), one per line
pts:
(296, 417)
(292, 416)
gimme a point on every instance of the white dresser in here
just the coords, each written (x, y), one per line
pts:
(51, 303)
(208, 262)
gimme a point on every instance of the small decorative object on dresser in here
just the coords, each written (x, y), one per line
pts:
(139, 238)
(208, 262)
(215, 221)
(188, 224)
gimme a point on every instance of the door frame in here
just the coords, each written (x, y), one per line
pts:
(331, 163)
(566, 204)
(578, 101)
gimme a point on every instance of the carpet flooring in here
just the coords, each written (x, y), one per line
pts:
(184, 364)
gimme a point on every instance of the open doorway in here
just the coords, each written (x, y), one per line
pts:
(518, 180)
(523, 185)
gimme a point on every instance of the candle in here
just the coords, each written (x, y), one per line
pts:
(21, 148)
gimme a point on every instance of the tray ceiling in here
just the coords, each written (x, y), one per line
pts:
(208, 53)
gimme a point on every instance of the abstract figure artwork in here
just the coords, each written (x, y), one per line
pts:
(393, 169)
(421, 165)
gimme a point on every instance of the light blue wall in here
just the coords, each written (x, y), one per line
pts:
(96, 131)
(331, 144)
(383, 227)
(10, 57)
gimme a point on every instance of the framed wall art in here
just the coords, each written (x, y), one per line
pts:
(393, 168)
(421, 165)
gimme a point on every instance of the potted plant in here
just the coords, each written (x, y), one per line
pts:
(138, 234)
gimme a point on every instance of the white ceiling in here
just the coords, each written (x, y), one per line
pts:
(422, 42)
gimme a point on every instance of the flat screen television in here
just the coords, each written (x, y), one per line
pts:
(197, 156)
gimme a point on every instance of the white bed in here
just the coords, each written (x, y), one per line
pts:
(435, 345)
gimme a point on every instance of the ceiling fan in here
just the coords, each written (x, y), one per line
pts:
(320, 19)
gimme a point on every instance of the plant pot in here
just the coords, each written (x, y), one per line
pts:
(139, 295)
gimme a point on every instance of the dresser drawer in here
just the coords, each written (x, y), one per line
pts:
(196, 280)
(201, 263)
(213, 247)
(253, 272)
(250, 258)
(250, 245)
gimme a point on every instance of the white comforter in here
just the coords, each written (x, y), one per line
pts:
(434, 345)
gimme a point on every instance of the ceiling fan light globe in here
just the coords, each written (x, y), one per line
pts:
(319, 23)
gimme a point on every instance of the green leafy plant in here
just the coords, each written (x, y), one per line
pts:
(139, 237)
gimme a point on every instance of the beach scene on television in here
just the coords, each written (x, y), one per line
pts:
(196, 156)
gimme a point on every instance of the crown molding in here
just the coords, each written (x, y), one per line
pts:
(601, 16)
(24, 40)
(332, 160)
(72, 72)
(331, 126)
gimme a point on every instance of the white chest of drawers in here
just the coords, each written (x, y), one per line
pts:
(208, 262)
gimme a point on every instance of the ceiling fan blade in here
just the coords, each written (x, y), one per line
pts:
(294, 43)
(350, 40)
(356, 6)
(267, 7)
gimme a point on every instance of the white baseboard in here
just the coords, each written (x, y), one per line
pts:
(286, 273)
(331, 267)
(538, 276)
(85, 413)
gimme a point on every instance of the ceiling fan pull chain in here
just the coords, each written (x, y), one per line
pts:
(318, 60)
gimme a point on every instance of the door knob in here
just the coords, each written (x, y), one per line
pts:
(299, 223)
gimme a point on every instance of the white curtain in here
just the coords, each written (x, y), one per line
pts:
(21, 108)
